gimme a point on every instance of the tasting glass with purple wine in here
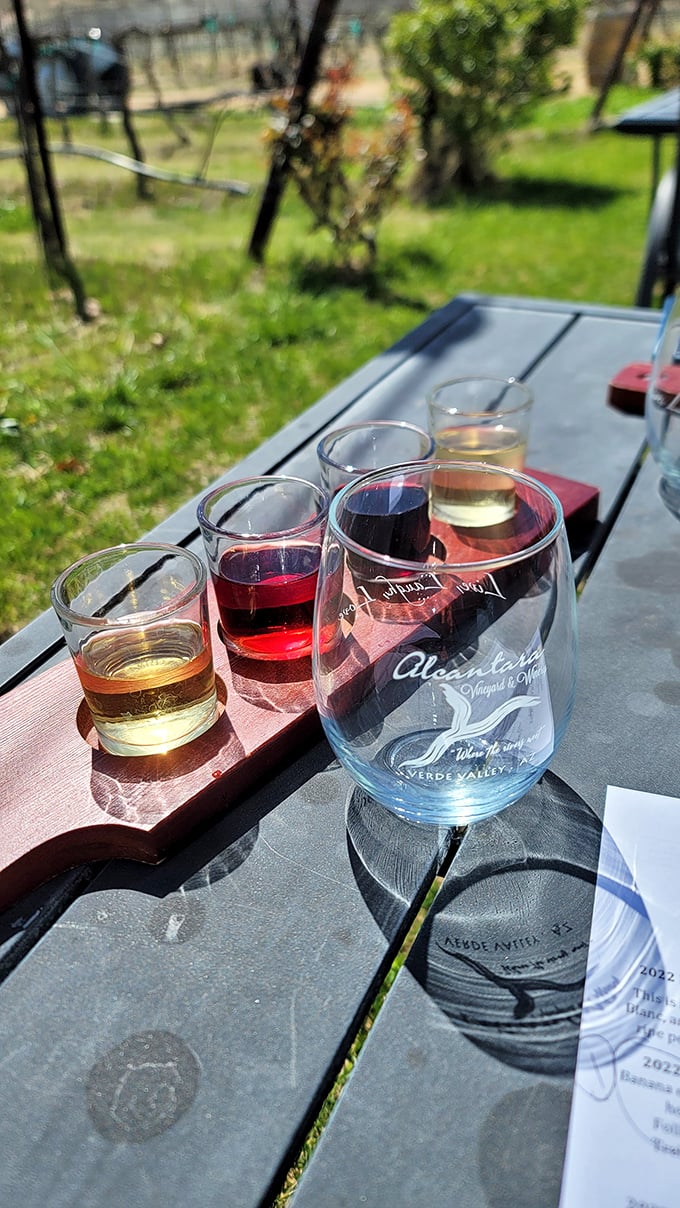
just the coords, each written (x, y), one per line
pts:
(444, 655)
(263, 538)
(347, 453)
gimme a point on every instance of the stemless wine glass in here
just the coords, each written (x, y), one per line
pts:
(444, 657)
(662, 408)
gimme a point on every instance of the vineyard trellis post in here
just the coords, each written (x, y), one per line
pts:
(304, 82)
(41, 182)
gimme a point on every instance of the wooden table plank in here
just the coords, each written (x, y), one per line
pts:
(630, 646)
(574, 431)
(246, 963)
(494, 340)
(438, 1099)
(571, 421)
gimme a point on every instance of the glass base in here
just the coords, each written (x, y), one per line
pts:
(275, 647)
(433, 796)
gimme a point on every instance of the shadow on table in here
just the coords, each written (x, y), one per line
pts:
(389, 857)
(226, 843)
(276, 687)
(504, 949)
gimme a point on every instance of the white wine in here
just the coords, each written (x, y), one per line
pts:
(472, 500)
(151, 689)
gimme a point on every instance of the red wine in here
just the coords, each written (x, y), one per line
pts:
(266, 599)
(393, 520)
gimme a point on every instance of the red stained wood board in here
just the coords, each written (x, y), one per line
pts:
(627, 390)
(580, 502)
(66, 802)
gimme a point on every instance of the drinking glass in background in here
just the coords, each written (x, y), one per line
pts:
(136, 622)
(347, 453)
(478, 419)
(445, 680)
(662, 408)
(263, 540)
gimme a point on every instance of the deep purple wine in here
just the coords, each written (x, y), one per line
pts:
(392, 520)
(265, 598)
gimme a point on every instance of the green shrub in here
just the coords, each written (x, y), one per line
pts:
(471, 68)
(662, 60)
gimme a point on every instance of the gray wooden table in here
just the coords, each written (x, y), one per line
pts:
(168, 1034)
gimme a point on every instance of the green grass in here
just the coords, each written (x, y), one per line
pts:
(199, 354)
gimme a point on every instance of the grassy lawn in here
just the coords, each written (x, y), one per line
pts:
(199, 354)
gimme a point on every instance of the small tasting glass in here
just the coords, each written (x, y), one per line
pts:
(263, 540)
(345, 454)
(135, 618)
(478, 419)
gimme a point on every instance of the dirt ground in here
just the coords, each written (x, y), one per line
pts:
(368, 86)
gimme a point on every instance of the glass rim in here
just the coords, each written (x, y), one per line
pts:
(66, 612)
(511, 409)
(337, 433)
(271, 534)
(419, 467)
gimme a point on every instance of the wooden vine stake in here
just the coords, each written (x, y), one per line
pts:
(41, 183)
(304, 82)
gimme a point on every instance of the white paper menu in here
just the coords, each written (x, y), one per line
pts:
(623, 1147)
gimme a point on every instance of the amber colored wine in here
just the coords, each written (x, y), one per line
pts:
(149, 689)
(472, 499)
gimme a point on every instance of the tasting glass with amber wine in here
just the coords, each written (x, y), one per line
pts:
(478, 419)
(444, 656)
(135, 618)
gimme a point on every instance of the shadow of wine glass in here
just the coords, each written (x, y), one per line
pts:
(390, 858)
(277, 687)
(504, 950)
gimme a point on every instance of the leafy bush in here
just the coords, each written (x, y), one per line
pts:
(471, 68)
(346, 181)
(662, 60)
